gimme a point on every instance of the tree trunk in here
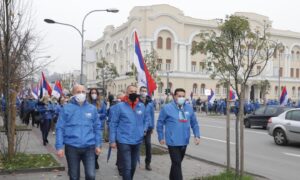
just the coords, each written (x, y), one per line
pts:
(12, 125)
(241, 118)
(228, 127)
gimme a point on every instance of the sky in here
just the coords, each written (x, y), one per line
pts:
(63, 43)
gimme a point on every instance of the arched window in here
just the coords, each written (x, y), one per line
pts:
(159, 42)
(276, 91)
(195, 88)
(298, 92)
(168, 43)
(202, 90)
(293, 55)
(217, 89)
(294, 91)
(298, 55)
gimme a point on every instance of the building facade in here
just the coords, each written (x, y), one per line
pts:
(171, 34)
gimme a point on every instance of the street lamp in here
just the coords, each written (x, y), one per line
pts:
(81, 33)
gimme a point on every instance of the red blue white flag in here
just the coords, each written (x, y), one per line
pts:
(232, 94)
(211, 97)
(45, 88)
(57, 90)
(144, 76)
(284, 97)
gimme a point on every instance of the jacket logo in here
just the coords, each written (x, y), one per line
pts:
(139, 112)
(88, 115)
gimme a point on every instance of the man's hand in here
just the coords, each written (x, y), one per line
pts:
(162, 142)
(113, 145)
(60, 153)
(197, 140)
(98, 150)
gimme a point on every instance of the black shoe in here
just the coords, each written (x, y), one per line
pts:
(97, 165)
(44, 143)
(148, 167)
(47, 141)
(120, 172)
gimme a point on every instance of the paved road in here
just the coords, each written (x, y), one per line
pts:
(262, 155)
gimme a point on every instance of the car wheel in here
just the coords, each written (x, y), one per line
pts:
(280, 137)
(247, 124)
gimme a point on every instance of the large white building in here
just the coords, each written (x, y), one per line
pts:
(171, 34)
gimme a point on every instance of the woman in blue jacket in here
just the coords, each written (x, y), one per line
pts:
(95, 99)
(173, 128)
(46, 111)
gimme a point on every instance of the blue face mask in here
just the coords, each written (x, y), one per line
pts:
(180, 100)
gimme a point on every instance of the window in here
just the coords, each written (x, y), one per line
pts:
(159, 62)
(299, 92)
(195, 88)
(168, 64)
(224, 90)
(297, 73)
(168, 43)
(160, 87)
(276, 91)
(202, 90)
(193, 66)
(298, 55)
(258, 68)
(202, 66)
(293, 55)
(293, 115)
(159, 43)
(281, 71)
(260, 110)
(292, 72)
(217, 89)
(294, 91)
(270, 110)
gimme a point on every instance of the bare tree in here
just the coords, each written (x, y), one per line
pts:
(234, 51)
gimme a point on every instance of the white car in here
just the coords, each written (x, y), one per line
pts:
(285, 127)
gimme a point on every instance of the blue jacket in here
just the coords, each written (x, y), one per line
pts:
(30, 105)
(128, 125)
(101, 113)
(78, 126)
(177, 132)
(149, 108)
(46, 110)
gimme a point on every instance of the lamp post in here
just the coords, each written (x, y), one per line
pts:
(81, 33)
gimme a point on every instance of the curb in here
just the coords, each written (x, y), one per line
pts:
(210, 162)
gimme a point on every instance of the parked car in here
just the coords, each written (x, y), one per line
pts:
(261, 116)
(286, 127)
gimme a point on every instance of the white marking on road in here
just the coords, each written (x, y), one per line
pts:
(213, 139)
(220, 127)
(291, 154)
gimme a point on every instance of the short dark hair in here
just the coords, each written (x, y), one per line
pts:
(178, 90)
(143, 87)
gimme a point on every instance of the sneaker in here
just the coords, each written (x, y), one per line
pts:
(148, 167)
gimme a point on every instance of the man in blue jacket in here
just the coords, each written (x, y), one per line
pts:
(128, 125)
(147, 101)
(79, 130)
(173, 128)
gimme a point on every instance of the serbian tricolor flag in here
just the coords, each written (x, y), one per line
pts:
(35, 91)
(44, 87)
(144, 77)
(57, 90)
(284, 97)
(232, 95)
(211, 97)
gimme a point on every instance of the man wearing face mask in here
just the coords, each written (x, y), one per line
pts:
(79, 130)
(147, 101)
(173, 129)
(129, 122)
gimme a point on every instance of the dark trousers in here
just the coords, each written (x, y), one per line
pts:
(27, 117)
(147, 141)
(45, 128)
(129, 157)
(119, 160)
(176, 154)
(74, 155)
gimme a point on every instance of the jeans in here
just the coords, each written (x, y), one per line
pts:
(147, 140)
(45, 128)
(129, 156)
(74, 155)
(176, 154)
(119, 160)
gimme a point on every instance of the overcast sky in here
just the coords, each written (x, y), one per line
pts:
(64, 43)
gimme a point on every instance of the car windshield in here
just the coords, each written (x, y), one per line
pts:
(271, 110)
(260, 110)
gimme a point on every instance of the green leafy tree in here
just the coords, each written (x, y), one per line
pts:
(106, 73)
(234, 50)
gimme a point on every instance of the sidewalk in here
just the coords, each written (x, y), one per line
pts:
(108, 171)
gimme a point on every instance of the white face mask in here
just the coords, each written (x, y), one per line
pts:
(94, 96)
(144, 94)
(80, 97)
(180, 100)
